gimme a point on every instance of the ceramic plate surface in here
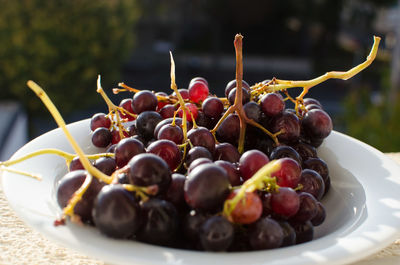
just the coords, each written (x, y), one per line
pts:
(363, 209)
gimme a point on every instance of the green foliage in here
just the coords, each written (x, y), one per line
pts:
(376, 123)
(63, 46)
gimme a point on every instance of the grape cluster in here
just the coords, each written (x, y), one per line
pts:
(181, 176)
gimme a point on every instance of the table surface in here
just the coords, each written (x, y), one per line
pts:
(19, 244)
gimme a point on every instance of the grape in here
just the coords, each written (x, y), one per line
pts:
(206, 187)
(213, 107)
(201, 136)
(285, 202)
(321, 167)
(216, 234)
(312, 183)
(171, 132)
(266, 233)
(198, 91)
(184, 93)
(197, 162)
(111, 148)
(192, 224)
(149, 169)
(198, 79)
(232, 171)
(266, 203)
(304, 231)
(178, 122)
(289, 124)
(289, 235)
(319, 218)
(308, 208)
(126, 104)
(144, 101)
(309, 101)
(146, 122)
(248, 209)
(161, 103)
(99, 120)
(229, 129)
(107, 165)
(232, 84)
(116, 212)
(252, 110)
(245, 96)
(191, 110)
(285, 151)
(312, 106)
(317, 124)
(272, 104)
(250, 162)
(116, 137)
(227, 152)
(126, 149)
(101, 137)
(132, 131)
(168, 151)
(167, 111)
(305, 150)
(289, 173)
(69, 184)
(75, 164)
(197, 152)
(160, 222)
(174, 193)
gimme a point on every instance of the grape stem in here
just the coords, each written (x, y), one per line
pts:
(20, 172)
(261, 180)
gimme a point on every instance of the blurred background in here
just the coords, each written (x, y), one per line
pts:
(63, 45)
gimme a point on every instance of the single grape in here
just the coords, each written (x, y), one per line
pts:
(305, 150)
(69, 184)
(272, 104)
(321, 167)
(312, 183)
(227, 152)
(191, 110)
(168, 151)
(184, 93)
(319, 218)
(146, 122)
(206, 187)
(216, 234)
(126, 104)
(266, 203)
(116, 212)
(126, 149)
(229, 130)
(288, 124)
(116, 137)
(312, 106)
(245, 96)
(316, 123)
(192, 223)
(309, 101)
(101, 137)
(308, 208)
(197, 162)
(99, 120)
(285, 202)
(201, 136)
(198, 79)
(248, 209)
(198, 91)
(252, 110)
(132, 131)
(250, 162)
(75, 164)
(171, 132)
(283, 151)
(160, 222)
(178, 122)
(213, 107)
(174, 193)
(167, 111)
(144, 101)
(197, 152)
(232, 84)
(266, 233)
(232, 171)
(289, 173)
(304, 231)
(149, 169)
(161, 103)
(107, 165)
(289, 235)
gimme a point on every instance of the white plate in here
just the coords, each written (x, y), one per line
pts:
(363, 209)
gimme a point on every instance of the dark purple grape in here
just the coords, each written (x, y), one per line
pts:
(107, 165)
(69, 184)
(308, 208)
(266, 203)
(304, 231)
(178, 122)
(144, 101)
(272, 104)
(289, 235)
(285, 202)
(116, 212)
(184, 93)
(197, 162)
(266, 233)
(75, 164)
(149, 169)
(168, 151)
(227, 152)
(312, 106)
(232, 84)
(216, 234)
(146, 122)
(192, 223)
(204, 121)
(206, 187)
(317, 124)
(175, 193)
(305, 150)
(167, 111)
(101, 137)
(245, 96)
(160, 222)
(289, 124)
(229, 130)
(232, 171)
(252, 110)
(126, 149)
(321, 167)
(111, 148)
(171, 132)
(201, 136)
(285, 151)
(197, 152)
(309, 101)
(213, 107)
(99, 120)
(132, 131)
(319, 218)
(312, 183)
